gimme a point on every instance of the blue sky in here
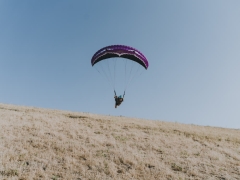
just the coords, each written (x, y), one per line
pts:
(192, 48)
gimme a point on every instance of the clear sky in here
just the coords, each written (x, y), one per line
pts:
(193, 48)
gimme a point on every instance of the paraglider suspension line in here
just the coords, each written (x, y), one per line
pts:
(111, 75)
(106, 76)
(131, 75)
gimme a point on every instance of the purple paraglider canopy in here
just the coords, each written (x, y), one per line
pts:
(120, 51)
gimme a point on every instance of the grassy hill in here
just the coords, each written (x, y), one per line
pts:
(40, 143)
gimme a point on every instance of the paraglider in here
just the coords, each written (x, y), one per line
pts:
(118, 100)
(115, 53)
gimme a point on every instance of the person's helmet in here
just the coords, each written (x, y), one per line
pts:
(120, 96)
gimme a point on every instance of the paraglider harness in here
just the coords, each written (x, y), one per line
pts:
(118, 99)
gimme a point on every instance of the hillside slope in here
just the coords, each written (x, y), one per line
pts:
(40, 143)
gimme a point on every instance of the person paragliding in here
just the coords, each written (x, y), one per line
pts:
(121, 52)
(118, 99)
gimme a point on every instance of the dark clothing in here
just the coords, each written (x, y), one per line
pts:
(118, 101)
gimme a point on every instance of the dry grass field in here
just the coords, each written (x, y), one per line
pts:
(48, 144)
